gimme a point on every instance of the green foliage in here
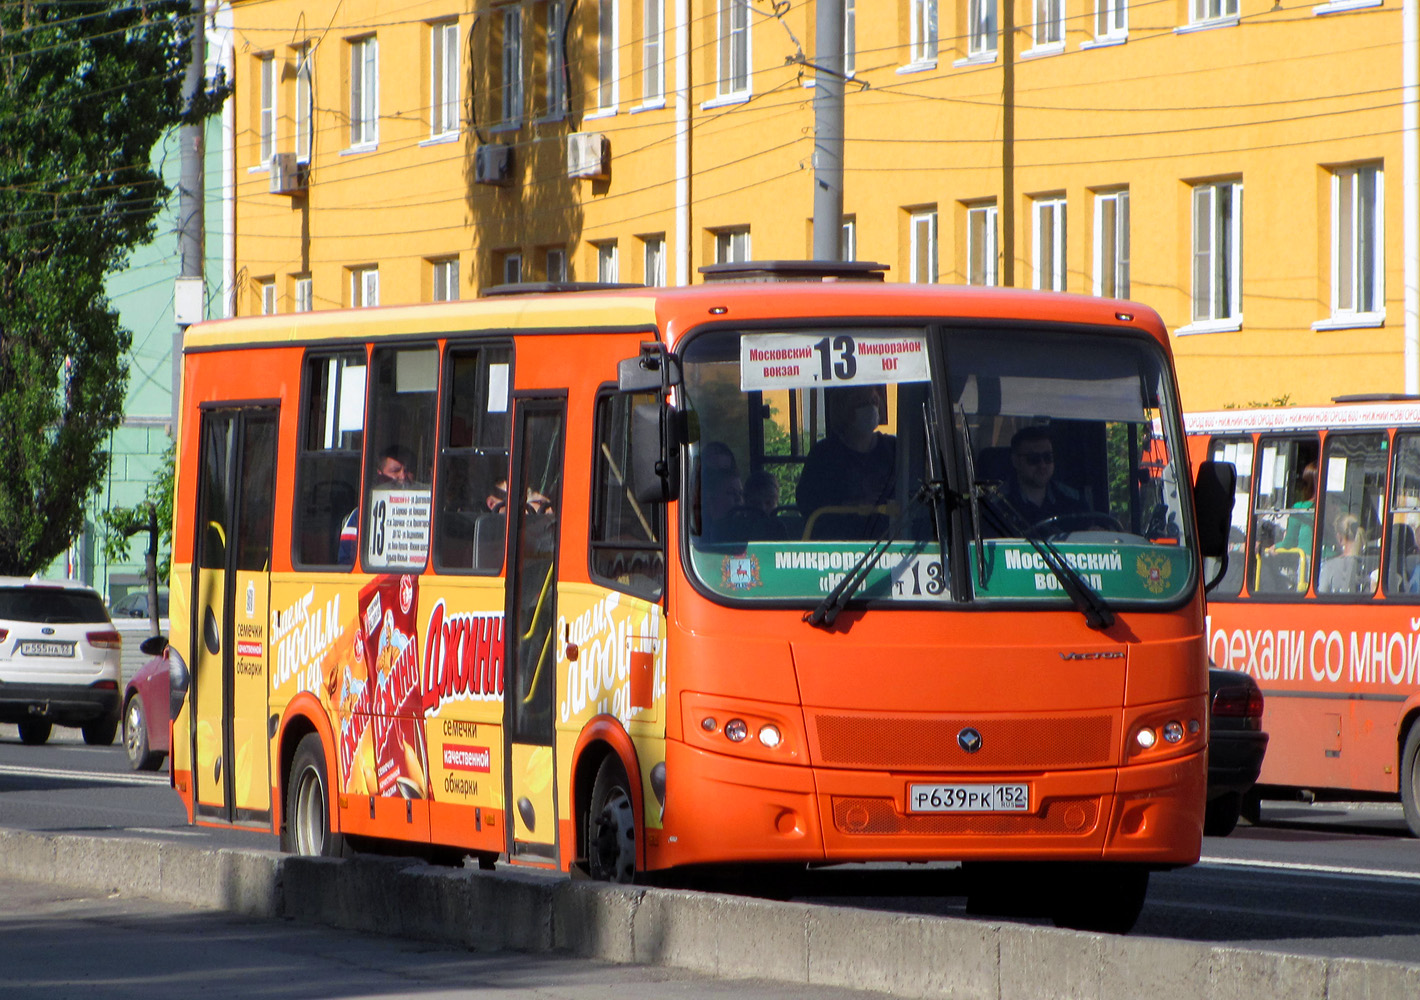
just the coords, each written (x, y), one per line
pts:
(123, 525)
(86, 90)
(1253, 404)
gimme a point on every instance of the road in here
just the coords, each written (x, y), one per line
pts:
(1335, 880)
(61, 945)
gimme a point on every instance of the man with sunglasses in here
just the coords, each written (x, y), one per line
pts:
(1033, 492)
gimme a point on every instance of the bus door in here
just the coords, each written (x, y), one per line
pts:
(231, 595)
(536, 477)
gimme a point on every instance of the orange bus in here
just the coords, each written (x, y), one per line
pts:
(637, 579)
(1320, 600)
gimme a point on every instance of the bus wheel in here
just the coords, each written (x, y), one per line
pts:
(307, 828)
(611, 825)
(1100, 897)
(1410, 778)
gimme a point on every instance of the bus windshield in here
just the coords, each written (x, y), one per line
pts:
(815, 451)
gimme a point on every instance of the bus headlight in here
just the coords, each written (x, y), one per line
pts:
(1173, 732)
(769, 736)
(736, 730)
(1146, 738)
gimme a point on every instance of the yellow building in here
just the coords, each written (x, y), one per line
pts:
(1241, 165)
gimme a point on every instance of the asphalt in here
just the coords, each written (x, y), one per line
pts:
(715, 935)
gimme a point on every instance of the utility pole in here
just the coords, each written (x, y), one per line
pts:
(189, 294)
(1007, 212)
(828, 130)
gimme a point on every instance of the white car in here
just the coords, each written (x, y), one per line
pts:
(59, 660)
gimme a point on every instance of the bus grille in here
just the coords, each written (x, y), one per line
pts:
(931, 744)
(879, 816)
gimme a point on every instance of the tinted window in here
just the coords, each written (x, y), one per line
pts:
(328, 467)
(53, 605)
(472, 505)
(625, 536)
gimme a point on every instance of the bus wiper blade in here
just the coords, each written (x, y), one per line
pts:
(1087, 601)
(827, 610)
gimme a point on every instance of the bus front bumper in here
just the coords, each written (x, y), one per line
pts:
(721, 808)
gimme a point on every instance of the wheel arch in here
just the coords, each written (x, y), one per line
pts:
(604, 736)
(1409, 719)
(303, 716)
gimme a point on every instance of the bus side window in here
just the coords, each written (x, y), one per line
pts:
(471, 526)
(1239, 452)
(626, 537)
(1350, 517)
(1403, 558)
(328, 461)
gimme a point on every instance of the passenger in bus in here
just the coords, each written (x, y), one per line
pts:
(853, 465)
(395, 468)
(1343, 573)
(1033, 491)
(497, 499)
(762, 491)
(1300, 516)
(721, 495)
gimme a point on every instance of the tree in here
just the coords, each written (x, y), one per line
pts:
(153, 517)
(86, 91)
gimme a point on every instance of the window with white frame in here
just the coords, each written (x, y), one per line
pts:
(364, 287)
(850, 37)
(1049, 23)
(732, 246)
(653, 70)
(304, 296)
(982, 257)
(732, 51)
(364, 92)
(654, 255)
(556, 63)
(446, 280)
(1112, 244)
(1111, 19)
(266, 119)
(1217, 251)
(923, 33)
(1049, 243)
(981, 27)
(444, 79)
(266, 289)
(511, 104)
(922, 246)
(1357, 257)
(607, 265)
(848, 239)
(606, 55)
(305, 97)
(1203, 11)
(555, 264)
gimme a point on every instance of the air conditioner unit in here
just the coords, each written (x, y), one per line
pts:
(588, 155)
(493, 164)
(287, 175)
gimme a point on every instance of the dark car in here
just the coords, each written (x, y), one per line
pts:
(135, 604)
(1236, 746)
(146, 718)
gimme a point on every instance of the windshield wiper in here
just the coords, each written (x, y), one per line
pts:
(1086, 600)
(827, 610)
(983, 572)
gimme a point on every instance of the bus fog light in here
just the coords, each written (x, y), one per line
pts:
(736, 730)
(708, 723)
(1193, 727)
(769, 736)
(1146, 738)
(1173, 732)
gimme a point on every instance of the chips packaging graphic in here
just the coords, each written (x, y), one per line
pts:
(375, 684)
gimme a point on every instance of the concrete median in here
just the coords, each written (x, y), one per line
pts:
(906, 955)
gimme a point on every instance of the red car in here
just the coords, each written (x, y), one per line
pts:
(147, 712)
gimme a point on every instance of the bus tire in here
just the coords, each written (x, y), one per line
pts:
(611, 825)
(307, 828)
(1410, 778)
(1104, 897)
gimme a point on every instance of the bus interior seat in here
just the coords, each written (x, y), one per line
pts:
(327, 506)
(791, 519)
(490, 536)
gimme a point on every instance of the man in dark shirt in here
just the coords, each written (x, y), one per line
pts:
(853, 465)
(1032, 491)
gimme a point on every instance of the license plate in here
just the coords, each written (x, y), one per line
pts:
(29, 647)
(968, 798)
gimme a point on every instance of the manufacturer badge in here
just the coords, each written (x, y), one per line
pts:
(969, 740)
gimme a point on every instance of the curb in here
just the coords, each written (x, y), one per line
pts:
(730, 936)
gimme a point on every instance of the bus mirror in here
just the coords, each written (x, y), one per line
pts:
(653, 368)
(1213, 503)
(655, 454)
